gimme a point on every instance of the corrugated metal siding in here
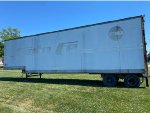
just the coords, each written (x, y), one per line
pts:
(102, 47)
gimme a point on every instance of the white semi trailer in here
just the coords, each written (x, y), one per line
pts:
(115, 49)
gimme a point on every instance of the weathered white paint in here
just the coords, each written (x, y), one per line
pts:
(113, 47)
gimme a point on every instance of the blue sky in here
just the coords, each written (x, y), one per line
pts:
(37, 17)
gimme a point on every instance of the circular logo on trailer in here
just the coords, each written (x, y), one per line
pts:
(116, 33)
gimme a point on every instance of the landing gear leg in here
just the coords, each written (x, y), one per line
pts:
(26, 75)
(146, 78)
(40, 75)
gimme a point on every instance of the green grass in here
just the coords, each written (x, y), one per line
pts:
(68, 93)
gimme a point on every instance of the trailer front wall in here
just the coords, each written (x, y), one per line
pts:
(115, 47)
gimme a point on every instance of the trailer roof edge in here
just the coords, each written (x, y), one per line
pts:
(128, 18)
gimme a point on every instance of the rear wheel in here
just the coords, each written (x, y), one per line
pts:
(132, 81)
(109, 80)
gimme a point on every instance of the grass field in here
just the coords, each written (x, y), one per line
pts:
(71, 93)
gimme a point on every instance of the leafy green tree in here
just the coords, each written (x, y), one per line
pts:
(9, 33)
(6, 34)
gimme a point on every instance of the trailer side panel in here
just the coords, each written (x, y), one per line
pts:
(114, 47)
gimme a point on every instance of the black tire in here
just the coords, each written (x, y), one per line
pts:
(109, 80)
(132, 81)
